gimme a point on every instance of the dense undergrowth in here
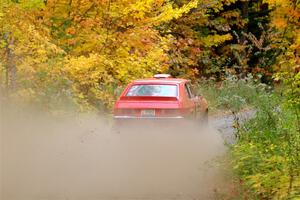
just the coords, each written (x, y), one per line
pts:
(232, 94)
(265, 158)
(267, 153)
(55, 53)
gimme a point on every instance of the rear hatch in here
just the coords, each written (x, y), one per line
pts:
(147, 107)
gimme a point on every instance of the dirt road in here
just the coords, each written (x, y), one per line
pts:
(223, 124)
(44, 158)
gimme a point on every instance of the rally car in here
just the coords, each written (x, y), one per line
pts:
(160, 97)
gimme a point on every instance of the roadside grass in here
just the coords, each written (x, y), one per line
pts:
(232, 94)
(265, 159)
(267, 153)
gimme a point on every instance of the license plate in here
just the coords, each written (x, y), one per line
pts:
(148, 113)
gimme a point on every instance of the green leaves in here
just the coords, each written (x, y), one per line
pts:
(266, 156)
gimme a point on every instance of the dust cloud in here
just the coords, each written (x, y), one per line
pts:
(84, 157)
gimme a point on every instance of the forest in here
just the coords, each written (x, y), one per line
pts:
(62, 55)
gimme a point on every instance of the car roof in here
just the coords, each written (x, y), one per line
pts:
(160, 80)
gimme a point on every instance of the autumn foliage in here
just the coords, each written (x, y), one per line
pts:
(82, 52)
(79, 54)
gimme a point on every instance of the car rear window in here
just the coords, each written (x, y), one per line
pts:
(153, 90)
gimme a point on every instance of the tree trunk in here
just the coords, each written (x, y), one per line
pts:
(11, 69)
(245, 15)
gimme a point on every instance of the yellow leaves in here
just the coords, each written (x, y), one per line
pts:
(139, 9)
(153, 12)
(215, 40)
(264, 182)
(263, 168)
(107, 43)
(296, 45)
(31, 4)
(129, 66)
(169, 13)
(92, 75)
(85, 70)
(228, 2)
(277, 3)
(88, 74)
(285, 18)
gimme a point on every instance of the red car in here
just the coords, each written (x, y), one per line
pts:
(161, 97)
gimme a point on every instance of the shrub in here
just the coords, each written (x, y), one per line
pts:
(232, 94)
(267, 155)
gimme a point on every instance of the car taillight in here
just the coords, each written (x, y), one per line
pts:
(170, 112)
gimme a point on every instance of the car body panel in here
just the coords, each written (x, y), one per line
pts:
(148, 105)
(183, 105)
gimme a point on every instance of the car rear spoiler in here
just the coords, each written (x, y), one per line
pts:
(149, 98)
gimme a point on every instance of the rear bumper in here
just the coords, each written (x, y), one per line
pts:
(150, 118)
(129, 124)
(146, 123)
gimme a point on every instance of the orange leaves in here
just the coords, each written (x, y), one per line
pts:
(93, 45)
(284, 12)
(88, 23)
(71, 31)
(279, 23)
(195, 50)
